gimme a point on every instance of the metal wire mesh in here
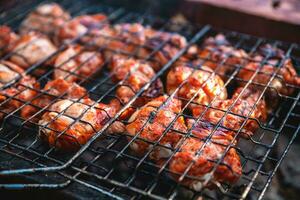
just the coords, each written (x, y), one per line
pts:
(106, 163)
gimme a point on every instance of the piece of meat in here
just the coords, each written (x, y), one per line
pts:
(149, 123)
(285, 75)
(200, 82)
(75, 63)
(55, 89)
(202, 158)
(69, 125)
(79, 26)
(135, 74)
(7, 39)
(135, 39)
(30, 49)
(216, 51)
(9, 72)
(46, 19)
(241, 109)
(21, 91)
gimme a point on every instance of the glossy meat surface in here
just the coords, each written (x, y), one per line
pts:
(199, 82)
(75, 63)
(69, 125)
(202, 154)
(55, 89)
(135, 74)
(245, 105)
(151, 131)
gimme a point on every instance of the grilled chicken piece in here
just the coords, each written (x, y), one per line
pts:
(143, 41)
(215, 51)
(76, 60)
(69, 125)
(202, 158)
(30, 49)
(286, 75)
(79, 26)
(9, 72)
(243, 107)
(200, 82)
(21, 91)
(7, 39)
(46, 19)
(135, 74)
(149, 123)
(138, 40)
(55, 89)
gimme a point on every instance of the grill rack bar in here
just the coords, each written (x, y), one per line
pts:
(297, 98)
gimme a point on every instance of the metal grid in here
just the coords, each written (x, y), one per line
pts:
(105, 162)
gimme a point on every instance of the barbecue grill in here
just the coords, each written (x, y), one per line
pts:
(105, 164)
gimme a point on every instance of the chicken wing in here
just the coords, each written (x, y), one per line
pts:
(200, 82)
(150, 123)
(202, 158)
(75, 62)
(46, 18)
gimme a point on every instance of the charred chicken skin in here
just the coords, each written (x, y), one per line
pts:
(69, 125)
(200, 82)
(46, 19)
(81, 63)
(23, 90)
(242, 108)
(149, 123)
(135, 74)
(30, 49)
(58, 88)
(203, 158)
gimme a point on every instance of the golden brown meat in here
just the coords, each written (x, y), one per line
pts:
(23, 90)
(200, 82)
(243, 106)
(46, 18)
(215, 51)
(7, 39)
(30, 49)
(79, 26)
(152, 130)
(136, 74)
(55, 89)
(203, 159)
(69, 125)
(81, 63)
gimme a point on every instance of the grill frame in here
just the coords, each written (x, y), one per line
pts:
(200, 34)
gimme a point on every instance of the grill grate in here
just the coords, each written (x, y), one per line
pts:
(105, 163)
